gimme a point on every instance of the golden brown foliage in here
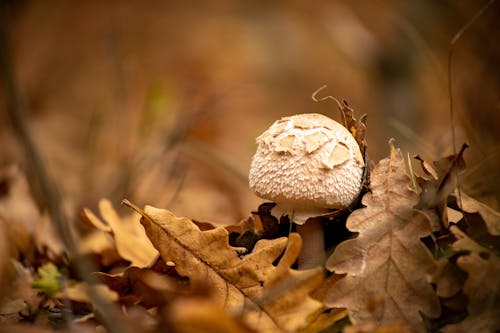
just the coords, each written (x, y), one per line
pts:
(387, 265)
(248, 284)
(241, 278)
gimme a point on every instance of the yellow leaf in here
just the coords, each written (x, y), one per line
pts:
(131, 241)
(387, 265)
(269, 298)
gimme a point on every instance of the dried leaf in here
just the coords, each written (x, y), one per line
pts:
(192, 315)
(47, 239)
(6, 268)
(490, 216)
(101, 244)
(270, 298)
(454, 216)
(436, 191)
(447, 278)
(260, 225)
(387, 265)
(20, 294)
(371, 327)
(356, 127)
(325, 320)
(143, 286)
(132, 243)
(482, 286)
(484, 322)
(79, 292)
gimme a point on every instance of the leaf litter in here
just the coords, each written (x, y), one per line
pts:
(387, 265)
(412, 259)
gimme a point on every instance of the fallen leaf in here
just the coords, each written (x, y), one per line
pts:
(448, 278)
(260, 225)
(490, 216)
(356, 127)
(484, 322)
(194, 315)
(20, 296)
(435, 191)
(47, 240)
(18, 212)
(79, 292)
(143, 286)
(101, 244)
(6, 269)
(49, 280)
(23, 328)
(387, 265)
(132, 243)
(270, 298)
(454, 216)
(482, 285)
(371, 327)
(325, 320)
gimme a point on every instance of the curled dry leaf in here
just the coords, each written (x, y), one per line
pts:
(132, 243)
(482, 285)
(443, 182)
(387, 265)
(490, 216)
(79, 292)
(270, 298)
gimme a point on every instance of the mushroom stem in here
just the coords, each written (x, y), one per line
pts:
(313, 244)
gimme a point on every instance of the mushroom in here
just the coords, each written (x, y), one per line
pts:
(308, 164)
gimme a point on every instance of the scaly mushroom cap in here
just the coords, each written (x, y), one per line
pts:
(308, 162)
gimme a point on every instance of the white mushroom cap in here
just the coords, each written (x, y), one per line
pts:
(307, 164)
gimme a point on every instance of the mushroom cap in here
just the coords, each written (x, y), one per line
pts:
(308, 162)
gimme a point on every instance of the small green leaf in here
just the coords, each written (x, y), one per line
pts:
(49, 280)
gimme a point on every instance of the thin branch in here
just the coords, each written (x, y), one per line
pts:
(16, 112)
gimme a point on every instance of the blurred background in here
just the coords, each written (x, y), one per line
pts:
(161, 101)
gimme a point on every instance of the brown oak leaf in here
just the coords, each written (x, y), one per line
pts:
(482, 285)
(271, 298)
(476, 323)
(387, 265)
(490, 216)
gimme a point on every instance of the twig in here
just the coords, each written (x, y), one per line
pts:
(16, 112)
